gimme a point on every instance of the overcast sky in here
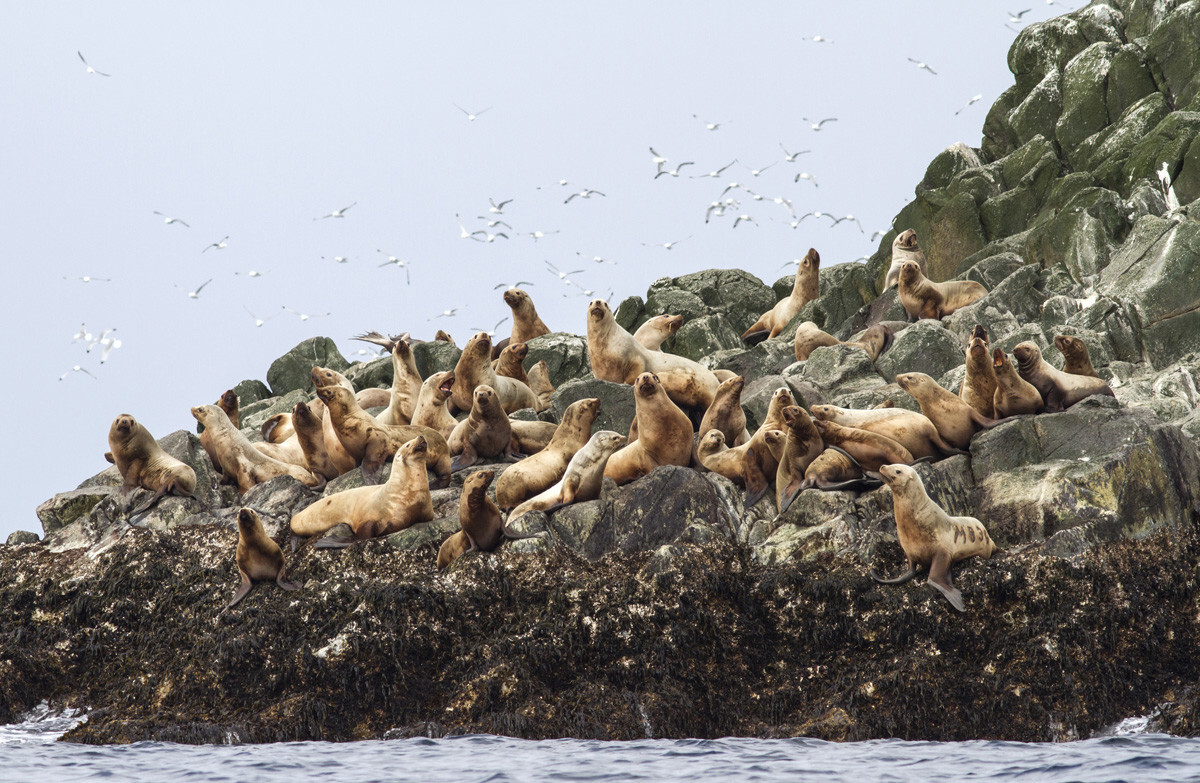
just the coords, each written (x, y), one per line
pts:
(251, 121)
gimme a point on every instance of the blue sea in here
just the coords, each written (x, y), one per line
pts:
(28, 752)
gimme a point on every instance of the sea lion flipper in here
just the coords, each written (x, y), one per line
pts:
(464, 460)
(754, 495)
(108, 456)
(908, 575)
(282, 580)
(939, 577)
(789, 494)
(242, 590)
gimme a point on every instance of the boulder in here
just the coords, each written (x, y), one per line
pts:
(21, 537)
(376, 373)
(566, 356)
(293, 370)
(435, 356)
(702, 336)
(738, 295)
(617, 407)
(926, 346)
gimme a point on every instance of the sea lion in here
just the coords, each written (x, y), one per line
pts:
(530, 437)
(406, 386)
(904, 248)
(370, 443)
(431, 408)
(475, 368)
(582, 479)
(229, 404)
(929, 536)
(801, 447)
(835, 469)
(277, 428)
(869, 449)
(482, 527)
(1077, 361)
(956, 421)
(323, 376)
(665, 434)
(486, 432)
(875, 340)
(923, 298)
(238, 457)
(289, 451)
(1014, 395)
(914, 431)
(616, 357)
(378, 510)
(1060, 390)
(310, 433)
(979, 384)
(805, 289)
(539, 382)
(810, 337)
(726, 414)
(526, 323)
(143, 463)
(538, 472)
(442, 336)
(509, 364)
(259, 559)
(780, 399)
(742, 464)
(652, 334)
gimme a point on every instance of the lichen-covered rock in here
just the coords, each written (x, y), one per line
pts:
(435, 356)
(566, 356)
(841, 369)
(293, 370)
(252, 416)
(617, 407)
(702, 336)
(21, 537)
(251, 391)
(376, 373)
(630, 313)
(738, 295)
(926, 346)
(66, 507)
(767, 358)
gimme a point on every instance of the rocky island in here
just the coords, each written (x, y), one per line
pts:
(669, 608)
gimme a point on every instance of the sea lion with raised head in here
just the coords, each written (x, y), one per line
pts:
(474, 368)
(780, 399)
(238, 457)
(539, 382)
(510, 362)
(800, 448)
(979, 383)
(742, 464)
(143, 463)
(1076, 359)
(914, 431)
(904, 248)
(956, 421)
(406, 386)
(526, 323)
(310, 433)
(582, 479)
(664, 434)
(482, 526)
(535, 474)
(1014, 396)
(1060, 390)
(259, 559)
(929, 536)
(726, 414)
(923, 298)
(431, 408)
(652, 334)
(806, 288)
(485, 433)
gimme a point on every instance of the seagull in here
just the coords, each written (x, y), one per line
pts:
(716, 173)
(492, 331)
(816, 39)
(169, 220)
(597, 259)
(494, 223)
(498, 209)
(471, 117)
(1016, 18)
(257, 321)
(675, 171)
(666, 245)
(819, 215)
(786, 203)
(539, 234)
(734, 186)
(253, 273)
(756, 172)
(84, 335)
(339, 259)
(657, 159)
(968, 103)
(712, 126)
(817, 125)
(303, 316)
(922, 66)
(89, 278)
(588, 193)
(807, 176)
(463, 233)
(877, 233)
(744, 218)
(852, 219)
(716, 207)
(337, 213)
(196, 294)
(399, 263)
(77, 368)
(561, 274)
(587, 291)
(110, 344)
(562, 183)
(445, 314)
(507, 286)
(219, 245)
(90, 69)
(489, 238)
(790, 157)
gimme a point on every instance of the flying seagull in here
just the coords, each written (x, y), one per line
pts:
(588, 193)
(90, 69)
(807, 176)
(471, 117)
(816, 39)
(89, 278)
(196, 294)
(445, 314)
(303, 316)
(672, 172)
(817, 125)
(715, 172)
(790, 157)
(561, 274)
(219, 245)
(712, 126)
(399, 263)
(77, 368)
(968, 103)
(923, 66)
(507, 286)
(666, 245)
(492, 331)
(498, 209)
(337, 213)
(169, 220)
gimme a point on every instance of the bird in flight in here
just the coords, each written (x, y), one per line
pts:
(968, 103)
(673, 172)
(715, 172)
(1016, 18)
(257, 321)
(561, 274)
(169, 220)
(816, 39)
(539, 234)
(667, 245)
(744, 219)
(807, 176)
(196, 294)
(338, 259)
(790, 157)
(588, 193)
(756, 172)
(597, 259)
(488, 238)
(337, 213)
(109, 344)
(89, 278)
(399, 263)
(492, 331)
(90, 69)
(76, 368)
(493, 223)
(712, 126)
(253, 273)
(219, 245)
(851, 219)
(507, 286)
(923, 66)
(304, 316)
(445, 314)
(471, 117)
(657, 159)
(498, 209)
(817, 125)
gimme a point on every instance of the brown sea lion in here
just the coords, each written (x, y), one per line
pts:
(259, 559)
(229, 404)
(923, 298)
(664, 434)
(810, 337)
(277, 428)
(979, 384)
(834, 469)
(780, 399)
(1060, 390)
(530, 437)
(875, 340)
(485, 433)
(870, 449)
(1014, 396)
(431, 404)
(956, 421)
(143, 463)
(652, 334)
(310, 433)
(474, 368)
(406, 386)
(509, 364)
(526, 323)
(1077, 360)
(443, 336)
(929, 536)
(582, 479)
(904, 248)
(805, 289)
(801, 447)
(914, 431)
(537, 473)
(726, 414)
(482, 527)
(378, 510)
(238, 457)
(539, 382)
(742, 464)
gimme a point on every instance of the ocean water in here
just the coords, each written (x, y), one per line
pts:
(28, 752)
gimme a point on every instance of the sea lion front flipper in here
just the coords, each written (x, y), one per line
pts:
(464, 460)
(754, 336)
(912, 571)
(109, 458)
(242, 590)
(790, 492)
(754, 494)
(149, 504)
(939, 577)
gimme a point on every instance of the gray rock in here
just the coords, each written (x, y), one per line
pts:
(926, 346)
(736, 294)
(278, 499)
(873, 397)
(373, 374)
(250, 391)
(566, 356)
(766, 358)
(702, 336)
(617, 405)
(841, 369)
(435, 356)
(66, 507)
(631, 313)
(424, 534)
(21, 537)
(252, 416)
(293, 370)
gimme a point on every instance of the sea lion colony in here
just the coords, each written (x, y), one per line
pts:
(825, 448)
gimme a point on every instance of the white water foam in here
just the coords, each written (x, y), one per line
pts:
(41, 725)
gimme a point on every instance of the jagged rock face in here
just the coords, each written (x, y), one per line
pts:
(566, 356)
(293, 370)
(617, 407)
(435, 356)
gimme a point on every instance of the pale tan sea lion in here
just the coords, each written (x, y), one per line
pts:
(310, 433)
(443, 336)
(431, 408)
(652, 334)
(509, 364)
(406, 386)
(810, 337)
(910, 429)
(979, 383)
(1060, 390)
(259, 559)
(526, 323)
(665, 434)
(486, 433)
(833, 469)
(726, 414)
(1014, 396)
(530, 437)
(377, 510)
(956, 421)
(781, 398)
(474, 368)
(805, 289)
(539, 382)
(870, 449)
(582, 479)
(904, 248)
(535, 474)
(875, 340)
(1077, 361)
(801, 447)
(923, 298)
(238, 457)
(143, 463)
(742, 464)
(929, 536)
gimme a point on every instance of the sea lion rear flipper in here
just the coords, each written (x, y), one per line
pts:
(283, 582)
(754, 336)
(242, 590)
(515, 536)
(912, 571)
(939, 577)
(144, 509)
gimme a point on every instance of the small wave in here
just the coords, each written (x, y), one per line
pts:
(41, 725)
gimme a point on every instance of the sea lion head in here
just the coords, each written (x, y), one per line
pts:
(910, 271)
(913, 381)
(515, 297)
(732, 385)
(340, 394)
(589, 406)
(824, 427)
(229, 399)
(518, 350)
(811, 260)
(775, 439)
(123, 425)
(1000, 360)
(977, 346)
(979, 333)
(1070, 347)
(647, 384)
(711, 443)
(821, 413)
(906, 240)
(598, 310)
(248, 521)
(669, 322)
(446, 384)
(302, 414)
(443, 336)
(795, 416)
(484, 395)
(477, 483)
(201, 413)
(608, 441)
(323, 376)
(480, 344)
(414, 448)
(401, 349)
(783, 395)
(1027, 355)
(898, 477)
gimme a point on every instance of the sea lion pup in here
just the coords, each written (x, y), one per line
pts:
(238, 457)
(143, 463)
(370, 443)
(1060, 390)
(482, 526)
(229, 404)
(259, 559)
(431, 404)
(582, 479)
(486, 432)
(914, 431)
(956, 421)
(1014, 395)
(923, 298)
(378, 510)
(665, 434)
(929, 536)
(726, 414)
(474, 368)
(539, 383)
(869, 449)
(805, 289)
(741, 464)
(810, 337)
(875, 340)
(616, 357)
(904, 248)
(1077, 361)
(526, 323)
(509, 364)
(979, 384)
(538, 472)
(652, 334)
(801, 447)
